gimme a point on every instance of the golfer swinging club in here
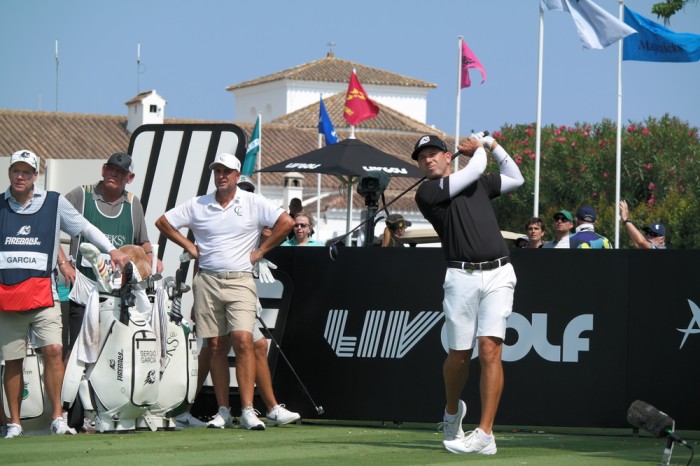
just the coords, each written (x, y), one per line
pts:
(479, 282)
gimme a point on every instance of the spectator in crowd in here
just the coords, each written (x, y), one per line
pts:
(32, 220)
(535, 233)
(563, 223)
(246, 183)
(294, 208)
(303, 226)
(394, 230)
(521, 241)
(652, 236)
(226, 225)
(479, 282)
(585, 236)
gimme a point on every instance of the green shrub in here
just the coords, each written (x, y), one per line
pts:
(660, 175)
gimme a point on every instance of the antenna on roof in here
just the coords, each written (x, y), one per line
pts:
(56, 74)
(330, 45)
(138, 65)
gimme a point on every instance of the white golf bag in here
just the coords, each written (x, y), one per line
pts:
(118, 385)
(178, 363)
(34, 397)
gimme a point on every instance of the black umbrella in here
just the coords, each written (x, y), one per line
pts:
(347, 160)
(349, 157)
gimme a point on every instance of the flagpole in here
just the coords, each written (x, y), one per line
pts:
(57, 75)
(318, 191)
(538, 124)
(259, 122)
(618, 150)
(459, 97)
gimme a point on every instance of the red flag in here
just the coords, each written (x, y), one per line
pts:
(358, 106)
(469, 60)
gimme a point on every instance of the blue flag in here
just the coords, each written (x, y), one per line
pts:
(653, 42)
(325, 125)
(253, 150)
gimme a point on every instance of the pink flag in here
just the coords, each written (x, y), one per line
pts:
(469, 60)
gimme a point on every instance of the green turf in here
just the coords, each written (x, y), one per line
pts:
(336, 443)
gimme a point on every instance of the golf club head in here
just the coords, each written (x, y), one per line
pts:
(320, 410)
(333, 251)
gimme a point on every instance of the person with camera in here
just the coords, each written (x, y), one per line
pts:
(479, 281)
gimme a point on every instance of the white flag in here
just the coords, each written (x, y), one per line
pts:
(596, 27)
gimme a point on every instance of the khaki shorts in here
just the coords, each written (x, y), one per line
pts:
(46, 326)
(223, 305)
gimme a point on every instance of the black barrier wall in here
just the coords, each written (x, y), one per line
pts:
(591, 332)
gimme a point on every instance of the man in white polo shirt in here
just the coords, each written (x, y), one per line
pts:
(226, 225)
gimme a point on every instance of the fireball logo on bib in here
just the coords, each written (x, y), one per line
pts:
(25, 230)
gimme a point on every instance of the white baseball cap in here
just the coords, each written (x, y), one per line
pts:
(246, 180)
(26, 157)
(227, 160)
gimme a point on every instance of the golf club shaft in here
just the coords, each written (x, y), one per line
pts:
(319, 409)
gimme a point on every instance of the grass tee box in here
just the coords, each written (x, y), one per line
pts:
(340, 443)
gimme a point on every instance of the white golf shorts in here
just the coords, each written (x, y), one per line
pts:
(477, 304)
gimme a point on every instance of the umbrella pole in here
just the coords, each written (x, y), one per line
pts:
(348, 240)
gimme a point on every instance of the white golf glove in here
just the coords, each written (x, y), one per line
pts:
(261, 269)
(486, 141)
(258, 308)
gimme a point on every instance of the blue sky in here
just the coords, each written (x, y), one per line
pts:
(190, 51)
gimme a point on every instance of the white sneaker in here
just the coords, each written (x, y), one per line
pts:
(477, 442)
(60, 427)
(249, 419)
(12, 431)
(188, 420)
(452, 430)
(222, 419)
(279, 416)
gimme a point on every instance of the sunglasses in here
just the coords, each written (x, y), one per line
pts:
(651, 233)
(560, 219)
(301, 225)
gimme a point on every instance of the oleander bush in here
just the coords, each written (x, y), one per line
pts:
(660, 175)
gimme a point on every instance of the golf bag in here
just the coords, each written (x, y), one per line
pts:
(113, 369)
(178, 362)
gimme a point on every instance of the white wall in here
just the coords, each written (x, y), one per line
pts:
(282, 97)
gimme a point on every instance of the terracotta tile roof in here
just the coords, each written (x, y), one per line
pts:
(388, 120)
(60, 135)
(333, 69)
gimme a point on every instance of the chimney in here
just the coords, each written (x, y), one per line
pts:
(293, 187)
(147, 107)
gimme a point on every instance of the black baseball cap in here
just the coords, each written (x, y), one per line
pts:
(428, 141)
(586, 213)
(395, 221)
(122, 160)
